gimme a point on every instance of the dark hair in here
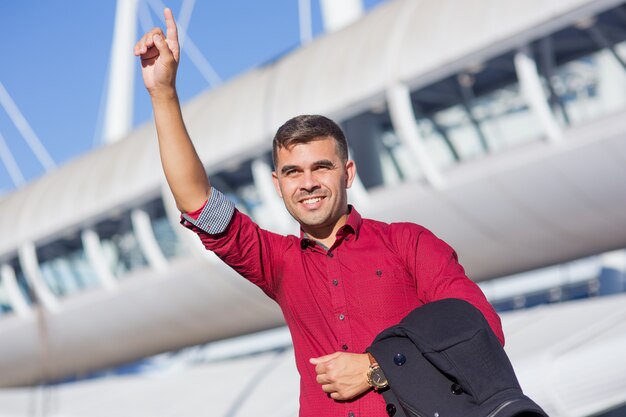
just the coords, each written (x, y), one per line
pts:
(308, 128)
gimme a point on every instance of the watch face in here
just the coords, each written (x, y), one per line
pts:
(378, 378)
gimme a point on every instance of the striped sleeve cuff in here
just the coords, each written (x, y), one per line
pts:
(216, 214)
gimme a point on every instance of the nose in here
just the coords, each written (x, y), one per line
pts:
(309, 182)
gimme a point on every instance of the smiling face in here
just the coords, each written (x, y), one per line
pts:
(312, 180)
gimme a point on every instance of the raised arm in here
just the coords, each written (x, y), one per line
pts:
(183, 169)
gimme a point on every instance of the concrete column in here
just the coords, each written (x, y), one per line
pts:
(93, 250)
(142, 228)
(532, 91)
(403, 118)
(30, 266)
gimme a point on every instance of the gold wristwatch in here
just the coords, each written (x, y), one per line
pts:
(375, 376)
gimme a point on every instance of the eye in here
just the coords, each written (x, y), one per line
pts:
(323, 167)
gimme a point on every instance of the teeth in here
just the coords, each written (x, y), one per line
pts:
(312, 200)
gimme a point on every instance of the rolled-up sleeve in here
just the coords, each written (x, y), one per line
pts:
(213, 217)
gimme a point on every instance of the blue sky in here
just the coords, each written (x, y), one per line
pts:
(55, 59)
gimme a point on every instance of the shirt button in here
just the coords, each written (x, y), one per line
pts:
(345, 347)
(335, 282)
(350, 414)
(341, 317)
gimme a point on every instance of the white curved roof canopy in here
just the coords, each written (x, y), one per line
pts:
(406, 40)
(568, 358)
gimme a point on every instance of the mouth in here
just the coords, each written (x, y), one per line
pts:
(311, 201)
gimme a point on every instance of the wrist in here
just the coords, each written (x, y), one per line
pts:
(163, 94)
(375, 376)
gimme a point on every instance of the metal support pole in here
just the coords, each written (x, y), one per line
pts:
(119, 109)
(337, 14)
(304, 15)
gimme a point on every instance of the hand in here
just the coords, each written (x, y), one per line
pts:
(159, 57)
(342, 375)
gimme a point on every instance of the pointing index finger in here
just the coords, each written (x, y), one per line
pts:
(170, 24)
(171, 33)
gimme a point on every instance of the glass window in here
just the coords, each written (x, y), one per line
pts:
(589, 87)
(5, 303)
(237, 183)
(584, 68)
(397, 163)
(163, 231)
(504, 119)
(375, 145)
(119, 244)
(619, 411)
(64, 266)
(437, 143)
(474, 113)
(466, 138)
(20, 278)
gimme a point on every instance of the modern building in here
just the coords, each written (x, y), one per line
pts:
(500, 125)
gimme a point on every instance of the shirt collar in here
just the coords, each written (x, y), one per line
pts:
(352, 226)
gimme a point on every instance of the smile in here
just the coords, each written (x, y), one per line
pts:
(312, 200)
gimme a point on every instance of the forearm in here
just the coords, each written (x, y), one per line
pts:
(183, 169)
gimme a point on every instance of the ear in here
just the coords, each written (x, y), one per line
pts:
(350, 172)
(276, 184)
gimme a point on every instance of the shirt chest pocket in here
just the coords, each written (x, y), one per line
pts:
(384, 290)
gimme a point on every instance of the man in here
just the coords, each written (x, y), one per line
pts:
(343, 280)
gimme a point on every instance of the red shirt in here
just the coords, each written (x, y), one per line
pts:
(340, 299)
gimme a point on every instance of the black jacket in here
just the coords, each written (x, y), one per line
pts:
(443, 360)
